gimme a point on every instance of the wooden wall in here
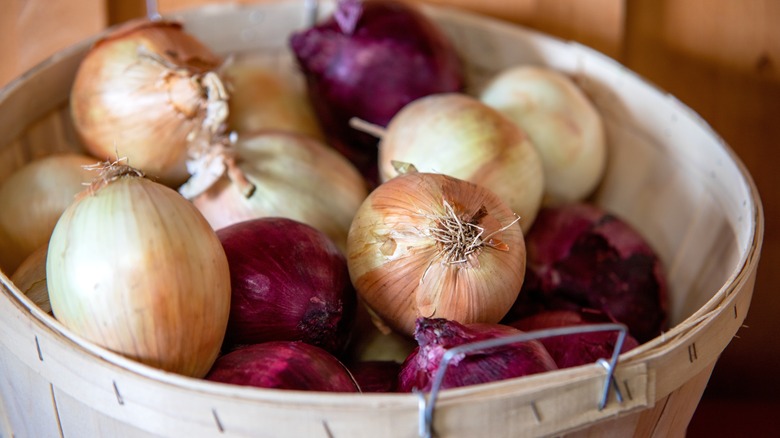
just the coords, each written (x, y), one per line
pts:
(721, 57)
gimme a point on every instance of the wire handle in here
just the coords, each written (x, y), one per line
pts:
(152, 12)
(311, 10)
(426, 406)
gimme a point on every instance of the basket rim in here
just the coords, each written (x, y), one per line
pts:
(644, 353)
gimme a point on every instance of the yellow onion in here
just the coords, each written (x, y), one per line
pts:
(563, 124)
(429, 245)
(33, 198)
(294, 176)
(148, 91)
(457, 135)
(264, 97)
(30, 278)
(134, 267)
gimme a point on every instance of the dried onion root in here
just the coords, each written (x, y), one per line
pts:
(429, 245)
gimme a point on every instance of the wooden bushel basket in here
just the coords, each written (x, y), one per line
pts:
(669, 175)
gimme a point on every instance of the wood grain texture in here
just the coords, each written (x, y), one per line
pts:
(31, 31)
(722, 58)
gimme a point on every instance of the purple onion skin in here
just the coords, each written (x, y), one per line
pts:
(283, 365)
(289, 282)
(394, 55)
(578, 349)
(579, 256)
(376, 375)
(435, 336)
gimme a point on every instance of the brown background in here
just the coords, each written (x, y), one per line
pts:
(720, 57)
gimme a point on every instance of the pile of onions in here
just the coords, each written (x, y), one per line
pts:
(368, 60)
(460, 136)
(436, 336)
(149, 91)
(293, 176)
(429, 245)
(289, 282)
(32, 200)
(283, 365)
(564, 126)
(581, 256)
(133, 267)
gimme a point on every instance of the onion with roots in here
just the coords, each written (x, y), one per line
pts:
(429, 245)
(133, 267)
(151, 92)
(457, 135)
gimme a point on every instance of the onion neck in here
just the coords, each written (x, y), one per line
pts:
(109, 171)
(460, 237)
(457, 237)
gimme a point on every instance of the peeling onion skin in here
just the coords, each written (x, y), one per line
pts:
(563, 124)
(283, 365)
(457, 135)
(580, 256)
(436, 336)
(399, 270)
(135, 268)
(134, 107)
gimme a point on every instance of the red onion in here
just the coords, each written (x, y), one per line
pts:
(577, 349)
(369, 60)
(436, 336)
(580, 256)
(283, 365)
(375, 375)
(289, 282)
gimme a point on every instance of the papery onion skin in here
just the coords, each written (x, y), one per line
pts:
(581, 256)
(295, 176)
(133, 267)
(125, 102)
(283, 365)
(289, 282)
(563, 124)
(577, 349)
(32, 200)
(394, 55)
(457, 135)
(400, 269)
(436, 336)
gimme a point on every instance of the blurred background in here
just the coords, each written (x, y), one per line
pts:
(720, 57)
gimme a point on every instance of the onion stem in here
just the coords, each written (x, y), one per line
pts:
(110, 171)
(367, 127)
